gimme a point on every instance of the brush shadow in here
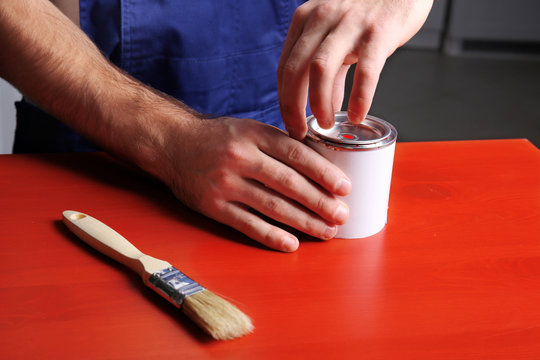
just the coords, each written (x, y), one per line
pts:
(135, 280)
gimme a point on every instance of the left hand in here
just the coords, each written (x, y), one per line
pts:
(324, 39)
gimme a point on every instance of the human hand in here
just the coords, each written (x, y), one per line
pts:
(230, 167)
(327, 36)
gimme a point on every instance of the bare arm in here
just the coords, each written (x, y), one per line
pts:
(52, 62)
(241, 166)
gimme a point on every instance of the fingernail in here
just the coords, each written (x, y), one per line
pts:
(343, 187)
(342, 214)
(329, 232)
(289, 243)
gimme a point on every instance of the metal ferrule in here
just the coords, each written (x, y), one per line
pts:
(173, 285)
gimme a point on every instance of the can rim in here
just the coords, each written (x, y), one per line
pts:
(386, 133)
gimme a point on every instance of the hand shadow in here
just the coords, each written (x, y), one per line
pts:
(110, 172)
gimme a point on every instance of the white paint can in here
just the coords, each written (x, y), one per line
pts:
(365, 153)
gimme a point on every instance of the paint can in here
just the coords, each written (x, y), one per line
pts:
(365, 153)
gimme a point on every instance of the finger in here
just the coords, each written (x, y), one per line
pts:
(326, 68)
(284, 210)
(339, 88)
(293, 117)
(293, 101)
(371, 59)
(293, 70)
(306, 161)
(295, 30)
(290, 184)
(241, 219)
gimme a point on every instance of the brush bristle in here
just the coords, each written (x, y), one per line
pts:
(218, 317)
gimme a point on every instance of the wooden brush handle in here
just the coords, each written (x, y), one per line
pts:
(110, 243)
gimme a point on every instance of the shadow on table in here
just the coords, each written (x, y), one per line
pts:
(102, 168)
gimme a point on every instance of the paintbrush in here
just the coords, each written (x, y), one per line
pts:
(218, 317)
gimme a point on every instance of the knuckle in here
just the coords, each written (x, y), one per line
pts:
(295, 154)
(288, 69)
(248, 225)
(300, 14)
(318, 66)
(274, 205)
(303, 42)
(374, 30)
(234, 152)
(353, 19)
(322, 205)
(323, 10)
(271, 238)
(366, 73)
(315, 228)
(289, 181)
(326, 174)
(222, 180)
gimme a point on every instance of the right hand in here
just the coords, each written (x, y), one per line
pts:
(231, 169)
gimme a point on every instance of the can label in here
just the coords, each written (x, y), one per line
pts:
(365, 153)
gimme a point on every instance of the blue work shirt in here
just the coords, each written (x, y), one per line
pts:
(218, 57)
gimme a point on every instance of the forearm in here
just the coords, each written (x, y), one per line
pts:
(53, 63)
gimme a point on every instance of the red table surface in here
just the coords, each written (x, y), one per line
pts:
(454, 275)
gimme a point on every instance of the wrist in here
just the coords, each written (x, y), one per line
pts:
(148, 129)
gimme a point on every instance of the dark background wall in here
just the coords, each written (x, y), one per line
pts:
(472, 72)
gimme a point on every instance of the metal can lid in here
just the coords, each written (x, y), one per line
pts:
(371, 133)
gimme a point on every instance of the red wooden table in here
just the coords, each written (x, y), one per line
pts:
(454, 275)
